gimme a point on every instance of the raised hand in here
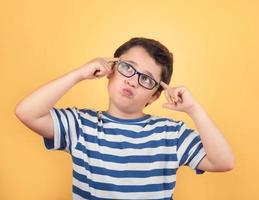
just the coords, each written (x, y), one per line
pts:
(98, 67)
(178, 98)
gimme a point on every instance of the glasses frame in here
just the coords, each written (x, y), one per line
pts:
(138, 73)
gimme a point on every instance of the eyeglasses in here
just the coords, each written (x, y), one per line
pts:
(128, 71)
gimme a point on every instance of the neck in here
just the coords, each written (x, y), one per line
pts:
(123, 114)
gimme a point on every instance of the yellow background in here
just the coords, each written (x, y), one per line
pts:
(215, 46)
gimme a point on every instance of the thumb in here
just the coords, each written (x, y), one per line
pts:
(168, 105)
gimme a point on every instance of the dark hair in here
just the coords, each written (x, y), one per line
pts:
(156, 50)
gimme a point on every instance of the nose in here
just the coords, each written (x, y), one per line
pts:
(132, 81)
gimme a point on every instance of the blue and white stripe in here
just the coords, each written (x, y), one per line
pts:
(124, 159)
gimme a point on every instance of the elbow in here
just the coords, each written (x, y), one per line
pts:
(20, 114)
(17, 111)
(231, 165)
(228, 166)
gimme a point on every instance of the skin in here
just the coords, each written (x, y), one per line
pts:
(218, 157)
(122, 105)
(33, 110)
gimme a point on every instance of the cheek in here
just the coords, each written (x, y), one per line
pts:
(114, 83)
(144, 96)
(150, 95)
(116, 77)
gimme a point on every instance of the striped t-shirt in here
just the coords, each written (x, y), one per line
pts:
(124, 158)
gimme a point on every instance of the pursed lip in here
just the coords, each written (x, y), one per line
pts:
(127, 92)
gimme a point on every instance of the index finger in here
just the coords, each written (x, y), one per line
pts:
(112, 59)
(164, 85)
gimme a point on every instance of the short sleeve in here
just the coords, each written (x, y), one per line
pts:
(66, 129)
(190, 149)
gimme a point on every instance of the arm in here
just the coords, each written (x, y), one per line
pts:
(218, 153)
(219, 156)
(33, 110)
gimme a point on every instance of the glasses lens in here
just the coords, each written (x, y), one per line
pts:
(128, 71)
(147, 81)
(125, 69)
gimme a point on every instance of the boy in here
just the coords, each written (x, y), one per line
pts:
(123, 153)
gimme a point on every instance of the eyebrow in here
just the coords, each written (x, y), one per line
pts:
(134, 63)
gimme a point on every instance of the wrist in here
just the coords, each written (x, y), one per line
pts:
(78, 75)
(192, 110)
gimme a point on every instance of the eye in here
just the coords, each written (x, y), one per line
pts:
(146, 80)
(125, 67)
(128, 67)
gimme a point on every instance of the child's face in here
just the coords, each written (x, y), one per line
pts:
(125, 93)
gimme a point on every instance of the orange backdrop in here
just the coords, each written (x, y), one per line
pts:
(215, 46)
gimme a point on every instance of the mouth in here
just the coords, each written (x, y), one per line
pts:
(127, 92)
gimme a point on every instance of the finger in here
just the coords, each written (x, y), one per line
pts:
(101, 71)
(111, 62)
(172, 95)
(97, 71)
(164, 85)
(105, 64)
(111, 65)
(174, 100)
(109, 68)
(178, 95)
(112, 59)
(168, 97)
(180, 99)
(169, 106)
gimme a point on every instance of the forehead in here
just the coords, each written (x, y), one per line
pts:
(142, 61)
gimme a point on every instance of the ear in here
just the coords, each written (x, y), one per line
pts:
(154, 97)
(110, 75)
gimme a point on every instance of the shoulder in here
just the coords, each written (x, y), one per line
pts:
(166, 121)
(80, 113)
(87, 111)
